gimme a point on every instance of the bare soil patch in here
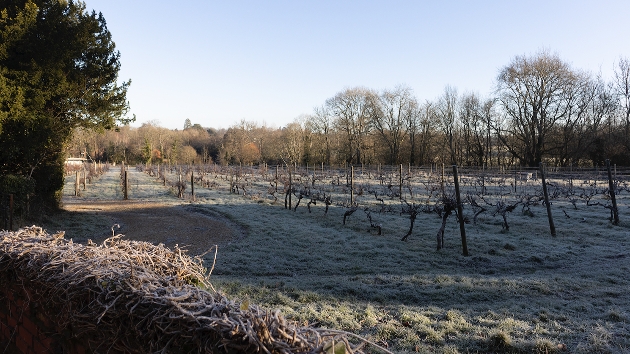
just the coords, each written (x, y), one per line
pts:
(195, 229)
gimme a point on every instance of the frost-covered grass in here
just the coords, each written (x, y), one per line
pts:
(519, 291)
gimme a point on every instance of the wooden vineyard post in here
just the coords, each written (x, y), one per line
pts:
(276, 178)
(483, 179)
(179, 184)
(552, 227)
(351, 186)
(126, 187)
(231, 181)
(611, 189)
(442, 183)
(76, 185)
(462, 228)
(400, 179)
(192, 185)
(515, 178)
(290, 186)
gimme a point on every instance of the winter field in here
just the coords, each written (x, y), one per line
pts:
(520, 289)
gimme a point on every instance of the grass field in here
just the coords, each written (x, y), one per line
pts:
(518, 291)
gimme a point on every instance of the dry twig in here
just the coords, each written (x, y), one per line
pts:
(132, 296)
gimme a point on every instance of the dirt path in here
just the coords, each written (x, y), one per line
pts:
(191, 227)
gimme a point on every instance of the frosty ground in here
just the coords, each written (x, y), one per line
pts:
(520, 290)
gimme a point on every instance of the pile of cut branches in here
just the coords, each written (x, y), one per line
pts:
(131, 296)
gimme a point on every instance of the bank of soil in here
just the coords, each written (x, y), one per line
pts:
(193, 228)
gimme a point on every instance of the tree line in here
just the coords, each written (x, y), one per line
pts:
(60, 96)
(542, 110)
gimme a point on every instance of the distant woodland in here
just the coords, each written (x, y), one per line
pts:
(60, 96)
(542, 110)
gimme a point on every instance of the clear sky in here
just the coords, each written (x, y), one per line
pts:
(219, 62)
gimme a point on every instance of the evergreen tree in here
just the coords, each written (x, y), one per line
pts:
(58, 71)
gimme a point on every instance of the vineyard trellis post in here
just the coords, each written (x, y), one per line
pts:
(400, 182)
(276, 178)
(611, 189)
(76, 184)
(351, 186)
(515, 177)
(552, 227)
(442, 182)
(232, 180)
(483, 179)
(179, 184)
(290, 185)
(126, 187)
(192, 184)
(462, 228)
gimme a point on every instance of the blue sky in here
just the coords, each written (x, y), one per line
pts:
(219, 62)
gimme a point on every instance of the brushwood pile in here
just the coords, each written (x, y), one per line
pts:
(130, 296)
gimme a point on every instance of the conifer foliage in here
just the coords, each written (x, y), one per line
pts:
(58, 71)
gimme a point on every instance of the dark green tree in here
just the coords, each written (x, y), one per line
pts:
(58, 71)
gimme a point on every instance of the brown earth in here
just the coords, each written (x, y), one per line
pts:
(193, 228)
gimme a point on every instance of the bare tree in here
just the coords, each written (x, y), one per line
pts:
(396, 107)
(187, 155)
(413, 128)
(473, 116)
(533, 93)
(421, 129)
(239, 145)
(447, 115)
(622, 89)
(579, 131)
(489, 118)
(352, 110)
(293, 142)
(321, 123)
